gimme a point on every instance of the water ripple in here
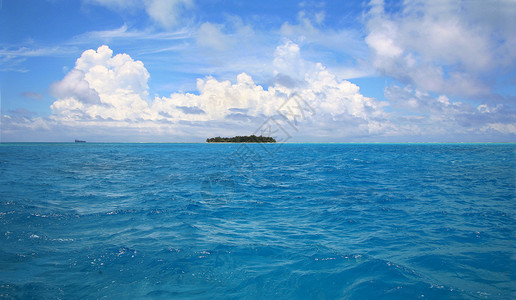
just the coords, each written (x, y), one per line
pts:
(309, 221)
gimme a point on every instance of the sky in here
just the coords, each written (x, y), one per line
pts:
(300, 71)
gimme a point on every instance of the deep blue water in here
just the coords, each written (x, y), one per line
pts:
(211, 221)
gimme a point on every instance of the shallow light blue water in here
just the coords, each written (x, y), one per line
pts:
(278, 221)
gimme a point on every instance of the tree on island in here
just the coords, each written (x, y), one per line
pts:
(242, 139)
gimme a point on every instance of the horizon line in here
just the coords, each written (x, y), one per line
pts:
(99, 142)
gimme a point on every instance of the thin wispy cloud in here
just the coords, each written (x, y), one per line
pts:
(12, 58)
(124, 32)
(33, 95)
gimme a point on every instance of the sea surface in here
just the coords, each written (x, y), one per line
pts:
(254, 221)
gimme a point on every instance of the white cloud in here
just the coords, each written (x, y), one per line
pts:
(383, 44)
(332, 44)
(439, 115)
(11, 58)
(102, 86)
(443, 46)
(288, 61)
(126, 33)
(499, 127)
(107, 95)
(75, 86)
(309, 29)
(166, 13)
(117, 4)
(218, 100)
(210, 35)
(106, 91)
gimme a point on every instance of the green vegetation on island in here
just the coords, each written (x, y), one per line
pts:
(242, 139)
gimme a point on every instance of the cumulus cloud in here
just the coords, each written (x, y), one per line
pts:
(75, 86)
(107, 95)
(102, 86)
(104, 91)
(288, 64)
(447, 47)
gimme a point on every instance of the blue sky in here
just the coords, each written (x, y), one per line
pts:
(184, 70)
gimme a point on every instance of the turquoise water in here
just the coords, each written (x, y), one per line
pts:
(282, 221)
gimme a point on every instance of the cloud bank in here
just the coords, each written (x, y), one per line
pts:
(112, 91)
(107, 95)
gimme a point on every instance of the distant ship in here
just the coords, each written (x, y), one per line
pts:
(79, 141)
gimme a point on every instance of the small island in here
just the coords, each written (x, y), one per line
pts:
(242, 139)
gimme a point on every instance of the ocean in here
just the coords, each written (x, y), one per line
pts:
(257, 221)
